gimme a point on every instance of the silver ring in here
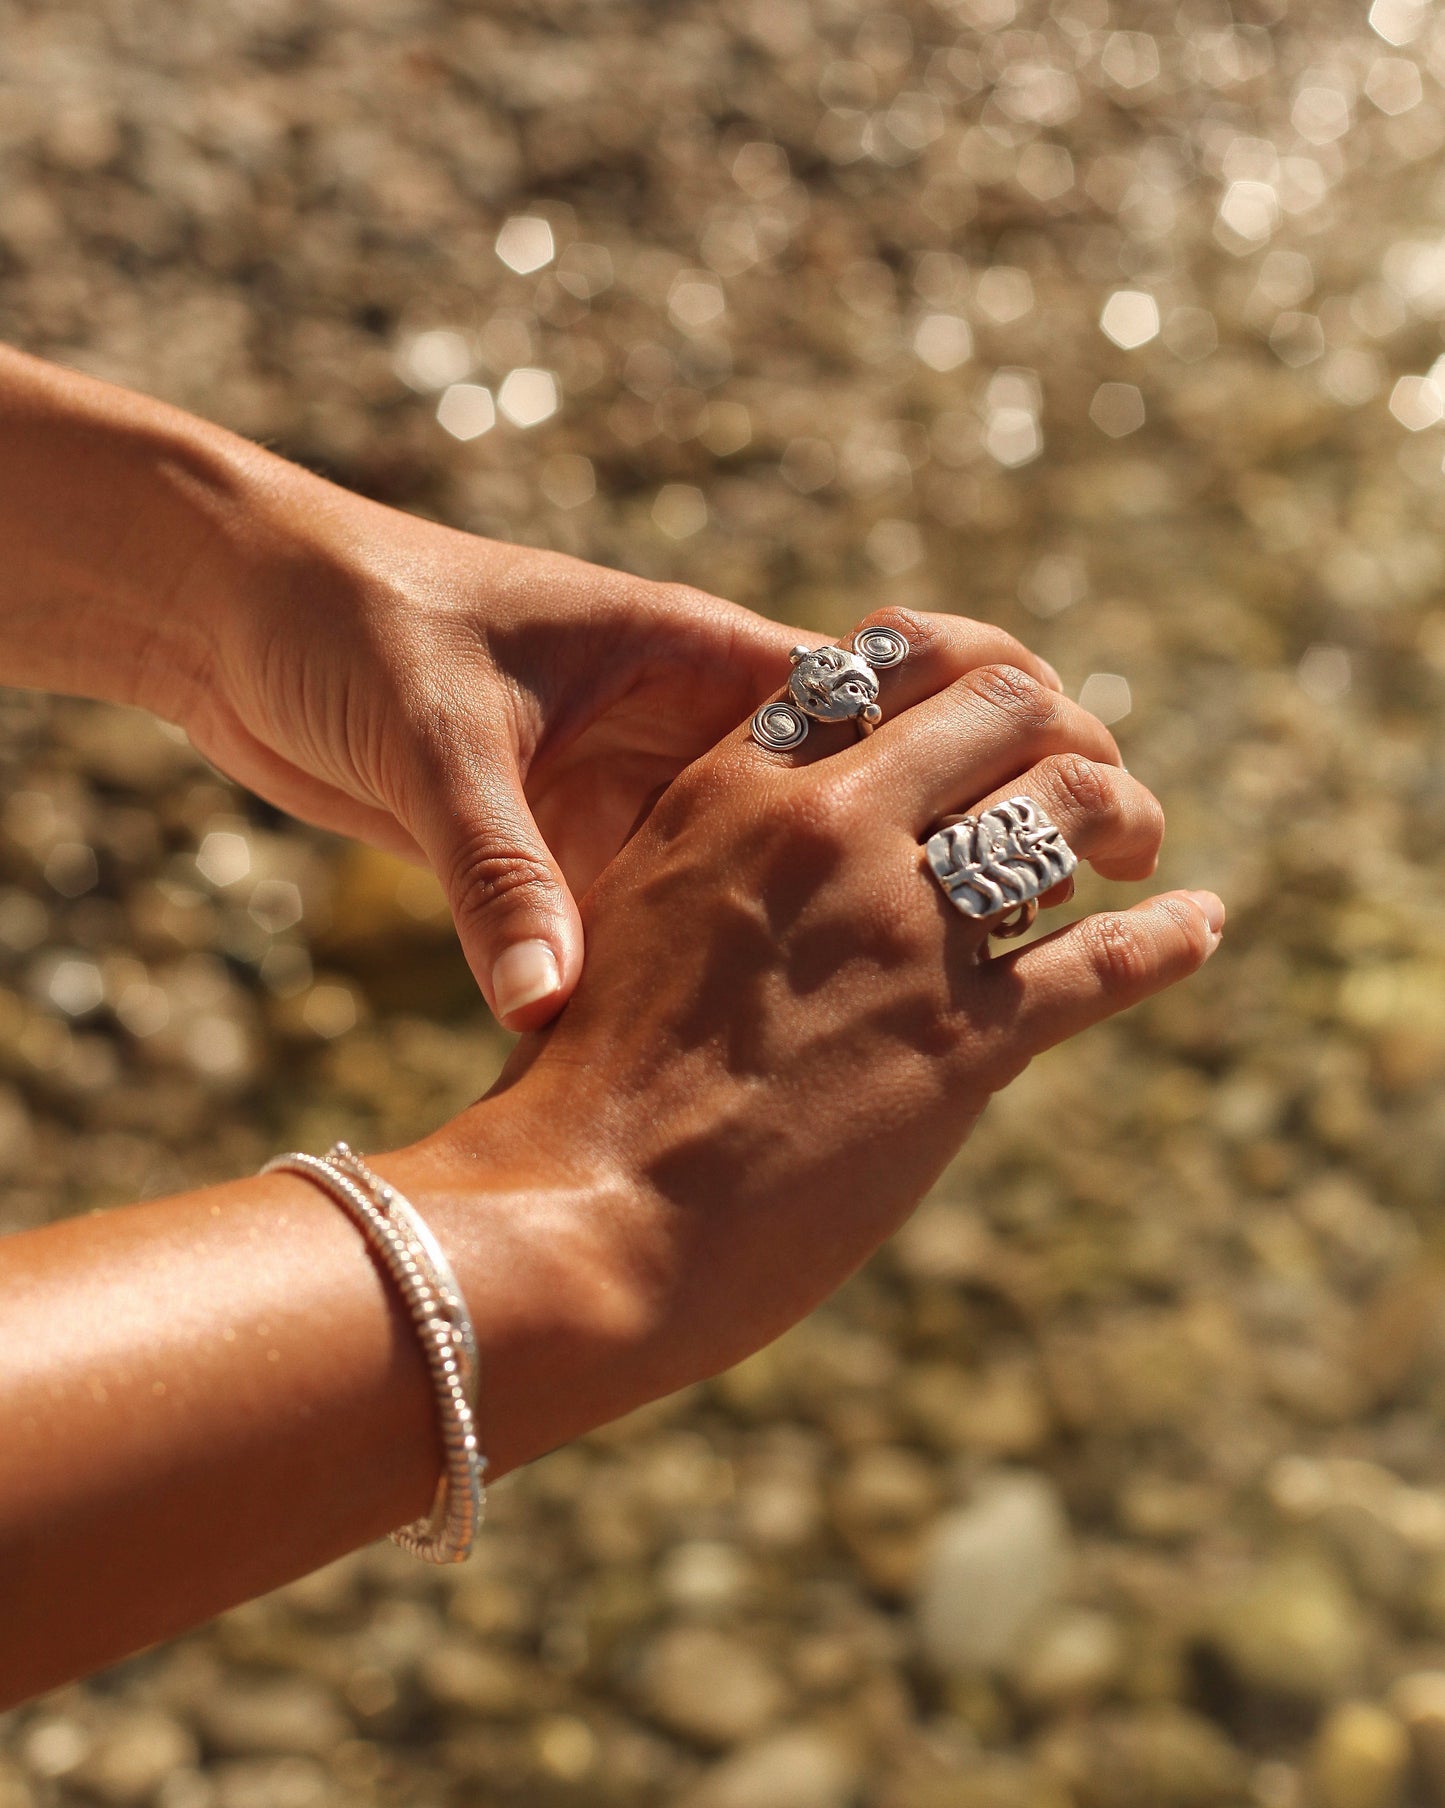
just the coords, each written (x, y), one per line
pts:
(1000, 863)
(831, 684)
(1019, 923)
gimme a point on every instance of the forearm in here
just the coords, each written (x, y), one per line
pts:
(212, 1394)
(109, 502)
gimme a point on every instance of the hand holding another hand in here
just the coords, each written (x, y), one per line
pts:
(785, 1031)
(506, 715)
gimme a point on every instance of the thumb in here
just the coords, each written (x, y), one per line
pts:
(514, 913)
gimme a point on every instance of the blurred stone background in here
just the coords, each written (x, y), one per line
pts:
(1118, 1480)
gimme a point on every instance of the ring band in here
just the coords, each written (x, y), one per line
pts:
(1019, 922)
(831, 684)
(1001, 861)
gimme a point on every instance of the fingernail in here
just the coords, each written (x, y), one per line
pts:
(1213, 914)
(1050, 675)
(524, 973)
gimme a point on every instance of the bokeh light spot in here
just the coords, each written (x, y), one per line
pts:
(525, 243)
(434, 359)
(680, 510)
(224, 857)
(528, 397)
(467, 411)
(1107, 696)
(1324, 673)
(943, 341)
(1417, 403)
(1117, 409)
(1130, 318)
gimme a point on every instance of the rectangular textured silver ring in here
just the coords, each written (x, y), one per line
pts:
(1000, 859)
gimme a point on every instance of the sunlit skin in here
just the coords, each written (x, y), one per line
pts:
(781, 1034)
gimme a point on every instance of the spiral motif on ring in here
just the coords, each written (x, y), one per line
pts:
(780, 726)
(881, 647)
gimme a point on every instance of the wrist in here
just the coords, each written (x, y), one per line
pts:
(294, 571)
(261, 557)
(552, 1252)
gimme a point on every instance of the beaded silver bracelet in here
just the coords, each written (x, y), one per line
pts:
(413, 1258)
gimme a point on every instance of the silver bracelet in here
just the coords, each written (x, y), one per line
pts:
(413, 1258)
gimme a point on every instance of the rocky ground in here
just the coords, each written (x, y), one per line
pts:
(1118, 1480)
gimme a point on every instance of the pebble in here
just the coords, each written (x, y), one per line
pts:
(289, 1714)
(883, 1506)
(798, 1767)
(992, 1569)
(1294, 1629)
(710, 1686)
(706, 1577)
(486, 1683)
(274, 1783)
(1163, 1757)
(1419, 1701)
(131, 1760)
(1074, 1657)
(976, 1779)
(15, 1791)
(1361, 1758)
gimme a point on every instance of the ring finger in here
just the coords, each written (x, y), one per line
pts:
(1107, 817)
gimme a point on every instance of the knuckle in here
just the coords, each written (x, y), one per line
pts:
(673, 598)
(697, 785)
(817, 809)
(698, 791)
(816, 820)
(1119, 954)
(1089, 790)
(482, 878)
(1029, 706)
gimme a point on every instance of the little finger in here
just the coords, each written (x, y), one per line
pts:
(1095, 968)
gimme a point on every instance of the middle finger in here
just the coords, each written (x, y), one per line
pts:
(976, 735)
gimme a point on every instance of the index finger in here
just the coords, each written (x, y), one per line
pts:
(941, 649)
(945, 648)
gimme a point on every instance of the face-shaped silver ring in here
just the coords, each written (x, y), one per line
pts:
(831, 684)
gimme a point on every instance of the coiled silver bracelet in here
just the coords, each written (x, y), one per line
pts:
(413, 1258)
